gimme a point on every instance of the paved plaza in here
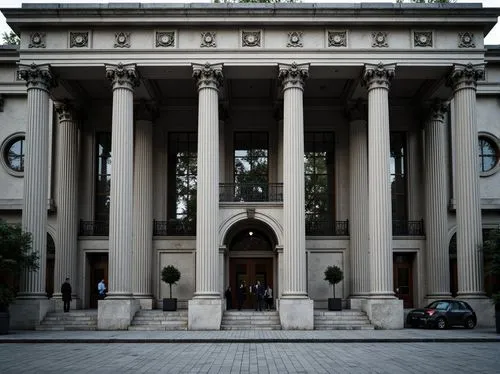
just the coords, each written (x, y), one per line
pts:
(398, 351)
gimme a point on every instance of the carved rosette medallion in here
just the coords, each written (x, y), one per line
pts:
(122, 40)
(250, 38)
(337, 38)
(78, 39)
(64, 111)
(293, 75)
(122, 76)
(379, 39)
(295, 39)
(466, 40)
(37, 40)
(422, 38)
(208, 40)
(208, 76)
(378, 76)
(165, 38)
(438, 111)
(37, 76)
(465, 76)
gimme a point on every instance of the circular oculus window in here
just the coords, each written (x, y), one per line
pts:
(13, 154)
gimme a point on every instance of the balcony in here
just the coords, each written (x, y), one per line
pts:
(94, 228)
(408, 228)
(321, 226)
(251, 192)
(174, 227)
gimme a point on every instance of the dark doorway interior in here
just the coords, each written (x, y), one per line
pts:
(403, 277)
(249, 270)
(98, 264)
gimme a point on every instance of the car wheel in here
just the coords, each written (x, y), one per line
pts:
(441, 323)
(470, 323)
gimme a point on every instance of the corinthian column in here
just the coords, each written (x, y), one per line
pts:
(117, 310)
(438, 272)
(469, 235)
(205, 310)
(358, 182)
(377, 79)
(67, 197)
(143, 205)
(295, 307)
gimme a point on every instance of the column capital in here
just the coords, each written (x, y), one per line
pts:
(293, 75)
(438, 110)
(378, 76)
(208, 75)
(465, 76)
(122, 76)
(65, 111)
(37, 76)
(145, 110)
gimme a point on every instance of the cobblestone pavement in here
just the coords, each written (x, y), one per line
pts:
(208, 357)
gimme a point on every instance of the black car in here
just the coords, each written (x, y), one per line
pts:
(442, 314)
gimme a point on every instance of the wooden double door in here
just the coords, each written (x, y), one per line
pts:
(403, 278)
(249, 270)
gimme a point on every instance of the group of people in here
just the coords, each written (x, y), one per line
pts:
(261, 297)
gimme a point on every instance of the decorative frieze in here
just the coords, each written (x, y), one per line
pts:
(337, 38)
(78, 39)
(122, 40)
(165, 39)
(422, 39)
(466, 40)
(379, 39)
(37, 40)
(295, 39)
(208, 39)
(251, 39)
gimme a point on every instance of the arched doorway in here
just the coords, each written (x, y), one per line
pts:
(251, 258)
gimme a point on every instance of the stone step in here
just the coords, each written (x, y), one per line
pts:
(66, 328)
(156, 328)
(158, 320)
(146, 318)
(153, 323)
(68, 323)
(340, 318)
(253, 318)
(70, 318)
(346, 327)
(250, 327)
(72, 321)
(339, 313)
(250, 320)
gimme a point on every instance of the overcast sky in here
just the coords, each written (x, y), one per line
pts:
(492, 38)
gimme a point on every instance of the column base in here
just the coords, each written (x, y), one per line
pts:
(116, 314)
(146, 302)
(356, 302)
(484, 308)
(26, 314)
(205, 314)
(385, 314)
(297, 314)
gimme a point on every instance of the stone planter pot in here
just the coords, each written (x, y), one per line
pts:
(334, 304)
(169, 305)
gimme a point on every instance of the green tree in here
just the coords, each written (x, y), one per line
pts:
(333, 274)
(170, 275)
(10, 38)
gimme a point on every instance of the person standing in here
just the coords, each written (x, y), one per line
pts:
(242, 292)
(101, 290)
(268, 296)
(66, 294)
(229, 298)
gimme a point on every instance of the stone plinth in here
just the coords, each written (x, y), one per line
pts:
(116, 314)
(26, 314)
(205, 314)
(385, 314)
(297, 314)
(146, 302)
(484, 308)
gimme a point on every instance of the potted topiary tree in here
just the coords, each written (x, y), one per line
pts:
(170, 275)
(15, 255)
(491, 247)
(333, 274)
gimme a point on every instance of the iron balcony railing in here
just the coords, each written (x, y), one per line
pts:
(408, 228)
(250, 192)
(320, 226)
(94, 228)
(174, 227)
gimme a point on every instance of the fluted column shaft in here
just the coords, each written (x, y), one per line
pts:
(34, 218)
(67, 197)
(377, 78)
(143, 204)
(469, 234)
(209, 79)
(124, 79)
(358, 223)
(438, 273)
(294, 237)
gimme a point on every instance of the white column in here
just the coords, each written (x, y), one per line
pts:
(469, 235)
(117, 310)
(67, 200)
(36, 177)
(205, 310)
(295, 306)
(436, 207)
(358, 196)
(142, 244)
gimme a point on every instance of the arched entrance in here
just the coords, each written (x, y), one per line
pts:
(251, 258)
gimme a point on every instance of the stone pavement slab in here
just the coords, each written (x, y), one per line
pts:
(251, 336)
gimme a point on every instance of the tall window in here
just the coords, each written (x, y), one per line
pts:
(319, 181)
(398, 176)
(251, 166)
(103, 177)
(182, 166)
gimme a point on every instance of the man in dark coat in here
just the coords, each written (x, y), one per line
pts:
(66, 294)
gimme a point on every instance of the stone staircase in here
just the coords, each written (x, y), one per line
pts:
(158, 320)
(71, 321)
(349, 319)
(250, 320)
